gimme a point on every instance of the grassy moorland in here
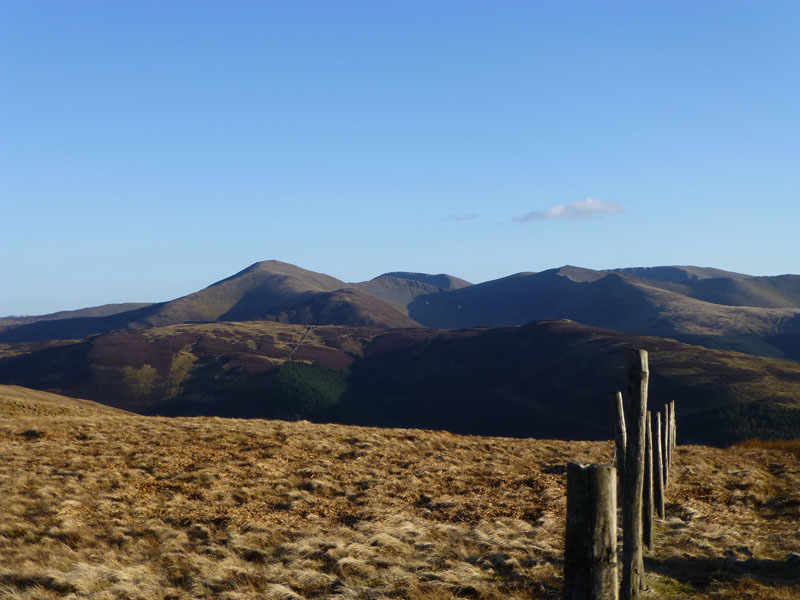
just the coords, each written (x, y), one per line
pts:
(102, 504)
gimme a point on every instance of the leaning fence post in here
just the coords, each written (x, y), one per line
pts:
(658, 491)
(590, 546)
(632, 560)
(620, 436)
(647, 508)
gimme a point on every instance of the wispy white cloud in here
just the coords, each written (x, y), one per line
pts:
(460, 218)
(581, 209)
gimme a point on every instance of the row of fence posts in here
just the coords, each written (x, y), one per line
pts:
(643, 462)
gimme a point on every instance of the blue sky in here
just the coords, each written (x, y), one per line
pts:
(150, 148)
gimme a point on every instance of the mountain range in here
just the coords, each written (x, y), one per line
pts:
(528, 354)
(705, 306)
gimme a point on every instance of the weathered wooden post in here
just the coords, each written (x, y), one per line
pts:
(632, 561)
(620, 437)
(665, 422)
(673, 431)
(665, 443)
(590, 546)
(658, 490)
(647, 507)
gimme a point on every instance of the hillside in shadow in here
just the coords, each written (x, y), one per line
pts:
(624, 302)
(547, 379)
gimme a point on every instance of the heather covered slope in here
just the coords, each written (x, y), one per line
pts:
(546, 379)
(553, 378)
(107, 506)
(351, 307)
(237, 368)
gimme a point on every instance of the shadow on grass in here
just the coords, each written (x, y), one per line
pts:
(701, 572)
(23, 582)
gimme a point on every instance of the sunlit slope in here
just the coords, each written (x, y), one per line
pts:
(110, 506)
(18, 401)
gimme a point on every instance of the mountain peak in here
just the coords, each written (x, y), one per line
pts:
(580, 274)
(276, 267)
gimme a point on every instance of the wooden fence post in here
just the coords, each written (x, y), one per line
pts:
(665, 443)
(658, 491)
(632, 561)
(620, 436)
(590, 546)
(673, 431)
(647, 507)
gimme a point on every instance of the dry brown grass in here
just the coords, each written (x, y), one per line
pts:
(106, 505)
(16, 401)
(792, 446)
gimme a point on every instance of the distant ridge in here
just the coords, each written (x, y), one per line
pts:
(95, 311)
(699, 305)
(759, 315)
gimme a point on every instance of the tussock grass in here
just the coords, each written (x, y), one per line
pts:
(109, 505)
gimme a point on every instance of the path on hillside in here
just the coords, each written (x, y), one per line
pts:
(302, 339)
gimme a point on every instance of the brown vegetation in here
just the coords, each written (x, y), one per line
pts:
(539, 380)
(792, 446)
(108, 505)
